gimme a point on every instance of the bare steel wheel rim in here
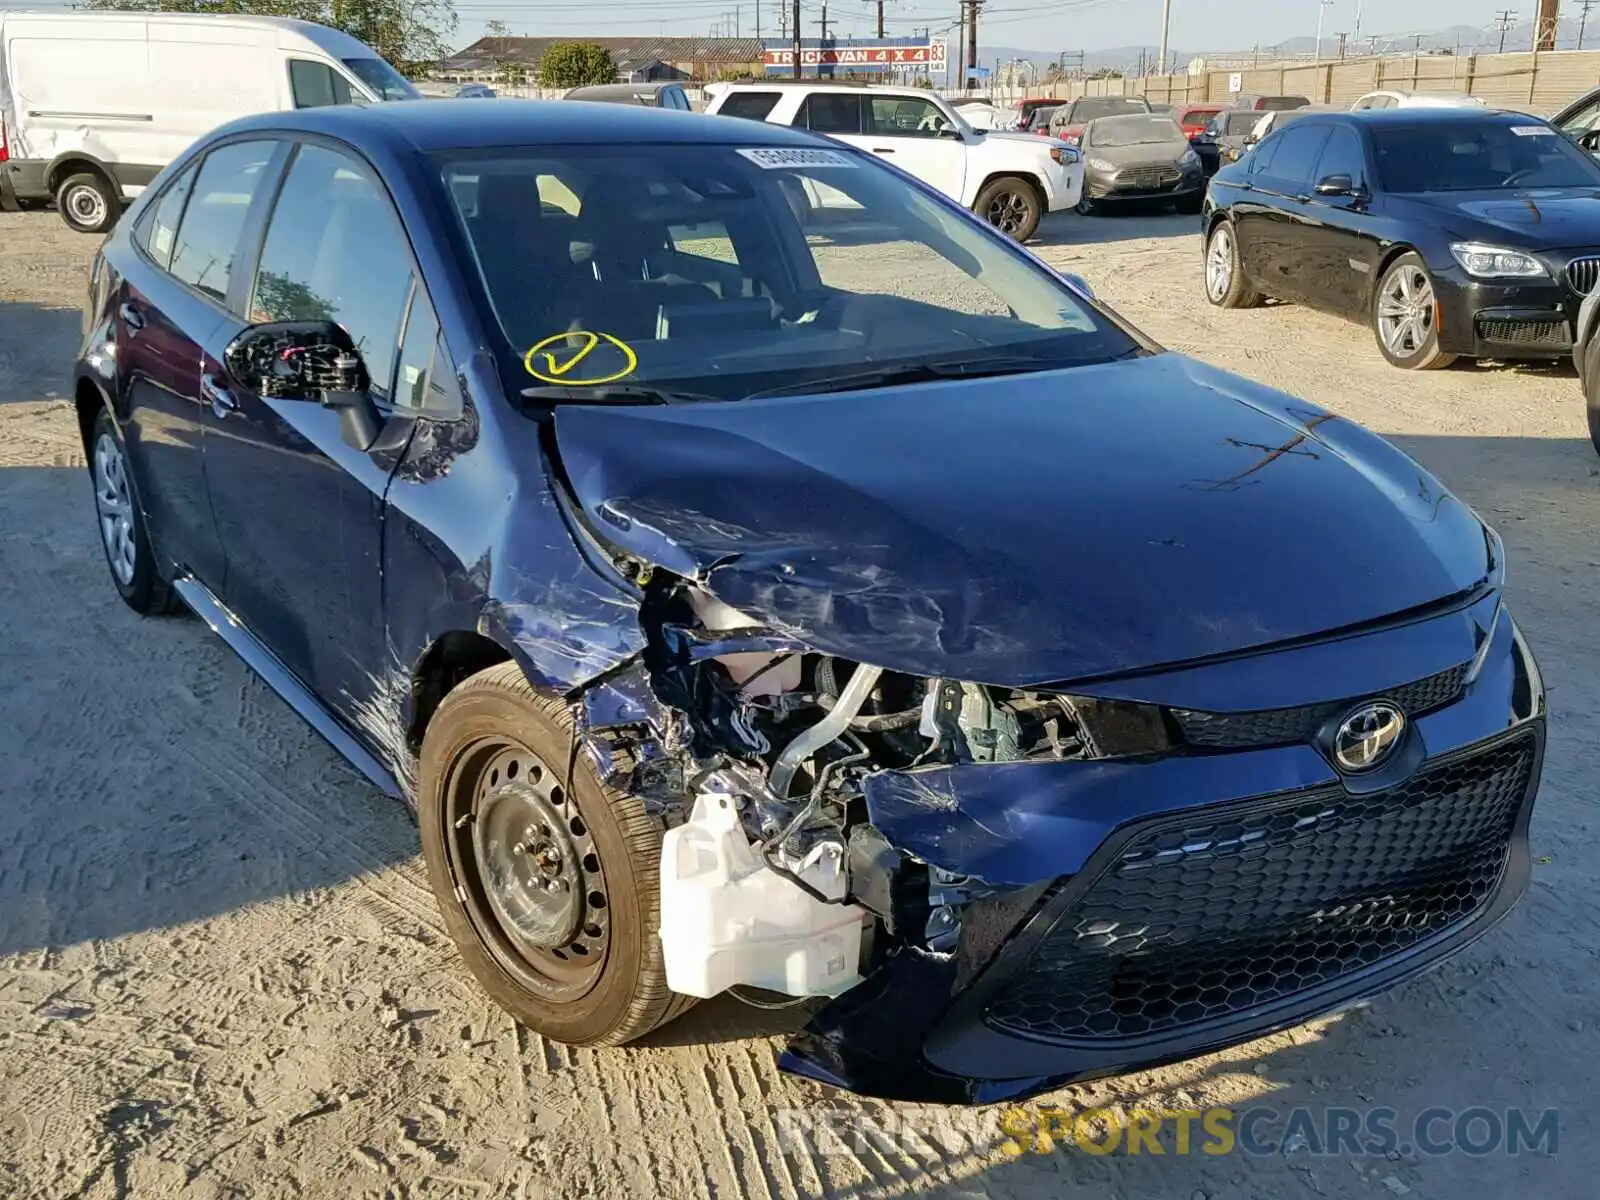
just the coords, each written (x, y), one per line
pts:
(114, 503)
(1405, 311)
(1008, 212)
(1219, 264)
(87, 206)
(527, 869)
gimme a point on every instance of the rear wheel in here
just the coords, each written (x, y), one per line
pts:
(548, 880)
(1227, 286)
(88, 202)
(1011, 205)
(1405, 317)
(122, 530)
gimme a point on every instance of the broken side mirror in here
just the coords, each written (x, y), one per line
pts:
(313, 361)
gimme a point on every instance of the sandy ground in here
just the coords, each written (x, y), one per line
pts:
(221, 972)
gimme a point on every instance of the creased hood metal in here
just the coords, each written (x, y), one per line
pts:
(1031, 528)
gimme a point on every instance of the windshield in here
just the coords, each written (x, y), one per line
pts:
(383, 79)
(723, 272)
(1135, 131)
(1084, 111)
(1469, 155)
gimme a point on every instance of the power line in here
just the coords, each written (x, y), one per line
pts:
(1505, 20)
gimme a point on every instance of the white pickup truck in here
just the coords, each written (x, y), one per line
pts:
(1009, 179)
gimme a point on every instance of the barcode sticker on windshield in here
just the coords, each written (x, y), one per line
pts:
(777, 160)
(1533, 131)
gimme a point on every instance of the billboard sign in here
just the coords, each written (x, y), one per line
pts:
(858, 55)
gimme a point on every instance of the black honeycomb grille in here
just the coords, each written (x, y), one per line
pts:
(1281, 726)
(1553, 334)
(1195, 922)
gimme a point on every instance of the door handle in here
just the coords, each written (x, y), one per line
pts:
(131, 316)
(877, 151)
(222, 401)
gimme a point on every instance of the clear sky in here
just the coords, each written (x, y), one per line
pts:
(1047, 25)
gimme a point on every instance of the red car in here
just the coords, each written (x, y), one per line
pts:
(1026, 108)
(1195, 117)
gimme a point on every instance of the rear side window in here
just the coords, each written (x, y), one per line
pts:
(208, 238)
(335, 251)
(158, 233)
(317, 85)
(753, 106)
(830, 112)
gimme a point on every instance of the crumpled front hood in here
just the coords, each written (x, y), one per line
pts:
(1542, 217)
(1030, 528)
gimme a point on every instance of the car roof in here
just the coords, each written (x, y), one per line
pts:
(624, 89)
(429, 125)
(1427, 116)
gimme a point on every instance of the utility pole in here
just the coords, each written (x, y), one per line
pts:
(880, 20)
(1342, 39)
(1544, 29)
(1505, 20)
(823, 20)
(1322, 8)
(795, 26)
(972, 37)
(1166, 27)
(1583, 18)
(758, 20)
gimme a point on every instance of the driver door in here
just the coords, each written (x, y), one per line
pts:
(917, 136)
(299, 510)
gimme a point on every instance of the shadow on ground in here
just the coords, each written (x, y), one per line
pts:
(1115, 225)
(36, 343)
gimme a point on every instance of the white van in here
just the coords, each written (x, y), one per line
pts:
(94, 104)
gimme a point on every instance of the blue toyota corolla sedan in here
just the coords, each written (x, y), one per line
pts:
(763, 577)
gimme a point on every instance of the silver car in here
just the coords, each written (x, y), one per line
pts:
(1146, 156)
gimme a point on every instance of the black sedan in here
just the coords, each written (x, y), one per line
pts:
(1455, 233)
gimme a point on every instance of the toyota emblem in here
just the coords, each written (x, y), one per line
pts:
(1367, 737)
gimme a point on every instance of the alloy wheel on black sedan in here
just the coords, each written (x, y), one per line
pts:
(1405, 316)
(1226, 283)
(121, 524)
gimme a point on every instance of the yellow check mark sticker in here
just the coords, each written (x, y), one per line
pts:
(571, 359)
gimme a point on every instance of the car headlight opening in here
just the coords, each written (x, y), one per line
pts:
(1483, 261)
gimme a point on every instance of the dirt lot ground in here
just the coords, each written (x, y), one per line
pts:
(221, 972)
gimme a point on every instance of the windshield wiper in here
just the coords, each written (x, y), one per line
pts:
(914, 373)
(612, 393)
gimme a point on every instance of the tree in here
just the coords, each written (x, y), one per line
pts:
(576, 64)
(410, 34)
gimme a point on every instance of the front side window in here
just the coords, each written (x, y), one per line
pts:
(1343, 156)
(897, 116)
(727, 271)
(1297, 154)
(830, 112)
(753, 106)
(1469, 155)
(425, 380)
(335, 252)
(317, 85)
(1585, 119)
(159, 231)
(208, 238)
(386, 83)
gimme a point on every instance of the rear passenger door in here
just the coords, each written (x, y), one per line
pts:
(300, 511)
(172, 304)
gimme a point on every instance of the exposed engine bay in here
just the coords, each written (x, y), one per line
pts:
(773, 876)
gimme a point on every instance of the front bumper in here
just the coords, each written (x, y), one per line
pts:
(1195, 923)
(1509, 319)
(1063, 186)
(1147, 186)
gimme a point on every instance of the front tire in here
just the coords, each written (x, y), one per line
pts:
(1011, 205)
(1591, 388)
(1404, 317)
(88, 203)
(1086, 206)
(1227, 286)
(123, 536)
(548, 880)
